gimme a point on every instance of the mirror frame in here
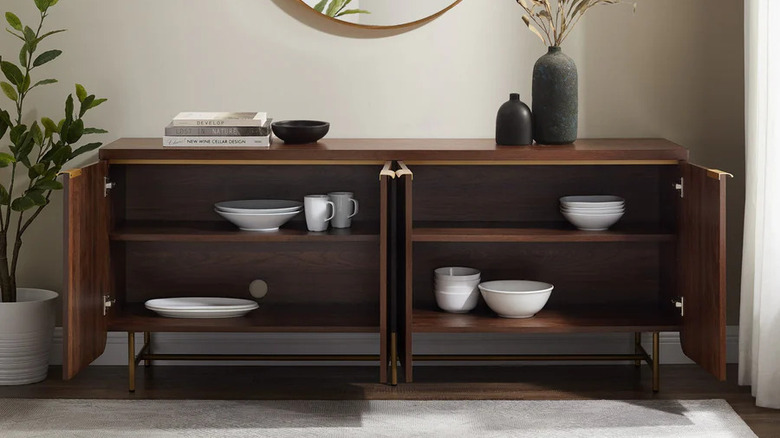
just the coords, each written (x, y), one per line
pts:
(394, 26)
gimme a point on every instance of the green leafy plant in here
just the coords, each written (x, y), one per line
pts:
(337, 8)
(40, 150)
(553, 20)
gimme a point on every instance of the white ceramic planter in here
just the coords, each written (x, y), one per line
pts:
(26, 331)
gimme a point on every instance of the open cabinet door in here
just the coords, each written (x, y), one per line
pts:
(702, 263)
(86, 267)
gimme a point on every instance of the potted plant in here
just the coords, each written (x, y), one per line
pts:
(554, 89)
(36, 153)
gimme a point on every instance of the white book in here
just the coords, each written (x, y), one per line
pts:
(219, 119)
(217, 142)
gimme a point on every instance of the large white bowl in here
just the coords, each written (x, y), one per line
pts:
(591, 201)
(253, 206)
(592, 222)
(258, 222)
(516, 298)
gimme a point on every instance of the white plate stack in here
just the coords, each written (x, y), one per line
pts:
(201, 307)
(456, 289)
(593, 213)
(258, 214)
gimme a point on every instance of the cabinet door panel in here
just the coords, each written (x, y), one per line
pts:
(86, 268)
(702, 264)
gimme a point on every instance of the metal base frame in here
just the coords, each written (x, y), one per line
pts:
(640, 354)
(146, 355)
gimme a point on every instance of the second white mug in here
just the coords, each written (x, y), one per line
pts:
(317, 215)
(346, 207)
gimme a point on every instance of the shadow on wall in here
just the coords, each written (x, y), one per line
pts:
(306, 15)
(684, 83)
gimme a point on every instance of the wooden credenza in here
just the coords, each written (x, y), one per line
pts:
(140, 225)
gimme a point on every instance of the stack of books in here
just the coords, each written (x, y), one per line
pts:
(218, 130)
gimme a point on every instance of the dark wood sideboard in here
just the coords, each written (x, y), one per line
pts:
(140, 225)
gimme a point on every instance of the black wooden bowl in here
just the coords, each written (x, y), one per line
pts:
(300, 131)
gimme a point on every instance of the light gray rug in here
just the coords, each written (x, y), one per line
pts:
(396, 419)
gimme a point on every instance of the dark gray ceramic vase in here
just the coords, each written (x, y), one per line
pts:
(555, 98)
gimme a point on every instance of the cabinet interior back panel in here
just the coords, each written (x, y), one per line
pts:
(295, 272)
(531, 193)
(188, 192)
(595, 273)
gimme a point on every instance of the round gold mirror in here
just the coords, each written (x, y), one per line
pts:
(381, 14)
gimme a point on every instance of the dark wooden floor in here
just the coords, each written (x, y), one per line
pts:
(507, 383)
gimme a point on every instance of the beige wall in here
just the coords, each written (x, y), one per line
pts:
(672, 70)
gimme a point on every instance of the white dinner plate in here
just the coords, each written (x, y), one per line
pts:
(259, 206)
(201, 307)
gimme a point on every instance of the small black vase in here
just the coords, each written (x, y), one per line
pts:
(555, 98)
(514, 124)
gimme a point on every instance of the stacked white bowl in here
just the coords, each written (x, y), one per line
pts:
(456, 288)
(258, 214)
(593, 213)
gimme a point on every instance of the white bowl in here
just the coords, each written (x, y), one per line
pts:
(600, 211)
(253, 206)
(516, 298)
(465, 288)
(592, 201)
(456, 273)
(592, 222)
(258, 222)
(457, 302)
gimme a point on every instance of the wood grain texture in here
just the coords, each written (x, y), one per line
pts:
(384, 270)
(205, 231)
(188, 193)
(702, 268)
(86, 268)
(534, 232)
(532, 193)
(582, 273)
(407, 304)
(296, 272)
(270, 317)
(405, 149)
(581, 319)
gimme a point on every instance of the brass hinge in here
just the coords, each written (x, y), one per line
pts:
(107, 186)
(679, 303)
(680, 187)
(108, 302)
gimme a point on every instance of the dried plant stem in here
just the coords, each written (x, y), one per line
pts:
(553, 22)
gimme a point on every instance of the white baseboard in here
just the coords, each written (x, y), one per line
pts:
(360, 343)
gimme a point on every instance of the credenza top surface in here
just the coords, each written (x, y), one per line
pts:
(425, 150)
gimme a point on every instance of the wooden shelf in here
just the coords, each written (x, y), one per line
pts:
(591, 319)
(285, 318)
(170, 231)
(528, 232)
(472, 151)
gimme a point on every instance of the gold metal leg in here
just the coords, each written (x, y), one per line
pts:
(393, 359)
(637, 347)
(148, 345)
(131, 360)
(656, 362)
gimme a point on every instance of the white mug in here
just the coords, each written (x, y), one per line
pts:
(316, 206)
(344, 203)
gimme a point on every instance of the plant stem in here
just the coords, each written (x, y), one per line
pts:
(6, 285)
(21, 228)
